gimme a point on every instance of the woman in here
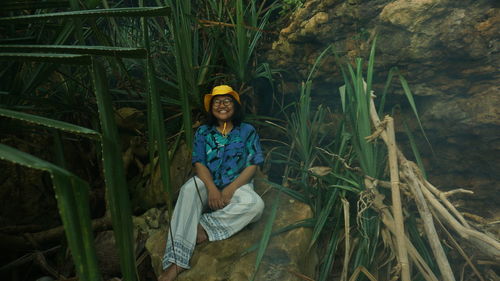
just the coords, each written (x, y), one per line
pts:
(225, 157)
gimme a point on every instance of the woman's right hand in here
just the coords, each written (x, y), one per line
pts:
(215, 200)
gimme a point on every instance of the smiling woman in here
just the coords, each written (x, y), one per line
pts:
(225, 156)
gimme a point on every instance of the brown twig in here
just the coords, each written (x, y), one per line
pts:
(426, 215)
(397, 209)
(455, 191)
(461, 251)
(388, 136)
(27, 258)
(388, 221)
(209, 23)
(347, 240)
(442, 196)
(342, 160)
(300, 275)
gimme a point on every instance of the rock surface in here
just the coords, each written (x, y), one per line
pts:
(449, 52)
(285, 256)
(147, 190)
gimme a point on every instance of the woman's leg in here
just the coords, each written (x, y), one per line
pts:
(245, 207)
(181, 237)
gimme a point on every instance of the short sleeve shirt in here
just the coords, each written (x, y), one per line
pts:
(227, 156)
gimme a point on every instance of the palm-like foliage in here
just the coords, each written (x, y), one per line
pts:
(74, 206)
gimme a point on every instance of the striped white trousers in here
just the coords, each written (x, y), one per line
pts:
(245, 207)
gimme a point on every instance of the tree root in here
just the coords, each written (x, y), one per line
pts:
(30, 241)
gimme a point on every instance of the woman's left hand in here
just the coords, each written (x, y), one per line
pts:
(227, 194)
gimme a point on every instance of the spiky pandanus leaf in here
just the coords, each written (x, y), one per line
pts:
(72, 194)
(136, 53)
(114, 175)
(50, 123)
(44, 57)
(114, 12)
(156, 123)
(14, 5)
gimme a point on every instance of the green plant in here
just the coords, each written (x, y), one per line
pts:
(329, 173)
(72, 192)
(239, 43)
(289, 6)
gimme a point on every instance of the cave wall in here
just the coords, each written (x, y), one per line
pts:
(449, 52)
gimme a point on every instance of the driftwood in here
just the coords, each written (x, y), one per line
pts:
(433, 205)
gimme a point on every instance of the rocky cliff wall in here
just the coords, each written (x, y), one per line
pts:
(449, 52)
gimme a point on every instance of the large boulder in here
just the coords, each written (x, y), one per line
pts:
(447, 49)
(286, 257)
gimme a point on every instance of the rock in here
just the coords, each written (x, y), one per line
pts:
(107, 254)
(448, 51)
(147, 190)
(221, 260)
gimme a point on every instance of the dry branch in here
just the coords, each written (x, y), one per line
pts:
(388, 221)
(444, 198)
(430, 201)
(345, 267)
(425, 213)
(397, 209)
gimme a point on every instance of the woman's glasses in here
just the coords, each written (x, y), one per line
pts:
(226, 102)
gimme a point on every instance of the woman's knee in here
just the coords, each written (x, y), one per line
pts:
(192, 186)
(258, 207)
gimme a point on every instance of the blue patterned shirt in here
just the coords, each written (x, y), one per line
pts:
(227, 156)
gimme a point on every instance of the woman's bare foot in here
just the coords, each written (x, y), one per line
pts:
(171, 273)
(201, 235)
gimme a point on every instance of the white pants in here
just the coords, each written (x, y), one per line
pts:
(245, 207)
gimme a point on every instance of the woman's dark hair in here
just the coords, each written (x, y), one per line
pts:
(237, 116)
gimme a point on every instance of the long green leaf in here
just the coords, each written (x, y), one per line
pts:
(43, 71)
(15, 40)
(409, 96)
(288, 191)
(346, 188)
(72, 194)
(182, 29)
(54, 58)
(331, 249)
(50, 123)
(266, 235)
(115, 12)
(415, 149)
(136, 53)
(318, 60)
(388, 83)
(31, 5)
(114, 175)
(157, 124)
(369, 72)
(323, 216)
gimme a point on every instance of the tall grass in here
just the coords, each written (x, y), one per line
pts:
(330, 169)
(181, 25)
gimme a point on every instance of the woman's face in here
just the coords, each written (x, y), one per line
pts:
(223, 107)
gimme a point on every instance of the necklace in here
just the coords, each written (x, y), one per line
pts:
(224, 133)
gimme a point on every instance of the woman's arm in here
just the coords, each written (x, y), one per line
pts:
(245, 176)
(214, 195)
